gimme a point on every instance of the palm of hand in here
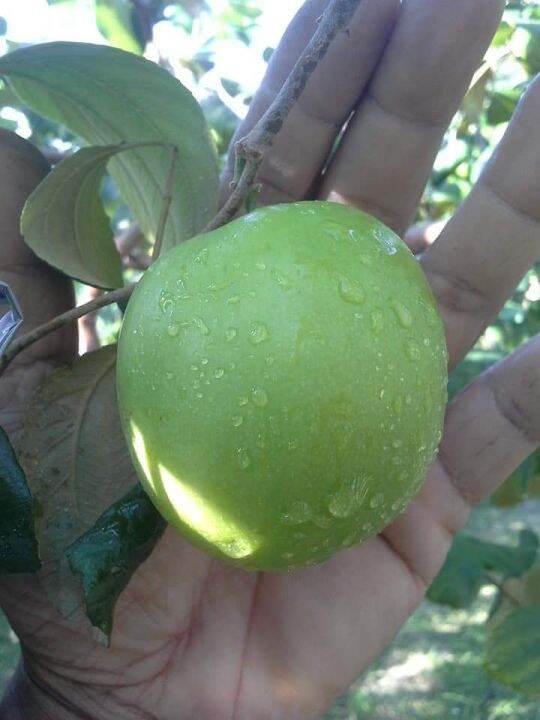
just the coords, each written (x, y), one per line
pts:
(195, 639)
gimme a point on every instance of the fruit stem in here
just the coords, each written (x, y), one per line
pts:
(250, 150)
(37, 333)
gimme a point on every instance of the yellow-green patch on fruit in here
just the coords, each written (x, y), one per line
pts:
(282, 383)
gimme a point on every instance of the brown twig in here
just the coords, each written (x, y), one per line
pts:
(56, 323)
(251, 149)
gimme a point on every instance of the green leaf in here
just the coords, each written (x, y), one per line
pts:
(64, 223)
(469, 562)
(107, 97)
(106, 557)
(502, 106)
(77, 463)
(516, 487)
(114, 19)
(474, 364)
(18, 546)
(513, 651)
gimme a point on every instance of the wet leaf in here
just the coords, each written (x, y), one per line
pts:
(107, 555)
(18, 546)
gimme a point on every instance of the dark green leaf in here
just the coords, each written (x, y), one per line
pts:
(106, 557)
(115, 22)
(107, 97)
(513, 651)
(64, 223)
(516, 487)
(502, 106)
(469, 562)
(18, 546)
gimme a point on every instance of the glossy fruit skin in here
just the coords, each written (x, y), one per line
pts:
(282, 384)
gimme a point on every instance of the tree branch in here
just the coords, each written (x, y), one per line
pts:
(251, 149)
(56, 323)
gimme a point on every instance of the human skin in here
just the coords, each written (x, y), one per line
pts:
(195, 639)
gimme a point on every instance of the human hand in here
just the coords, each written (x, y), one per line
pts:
(195, 639)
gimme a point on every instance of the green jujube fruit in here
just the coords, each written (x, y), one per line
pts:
(282, 383)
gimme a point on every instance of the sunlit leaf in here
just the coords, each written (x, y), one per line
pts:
(18, 546)
(502, 106)
(107, 97)
(513, 651)
(470, 561)
(107, 555)
(64, 223)
(76, 462)
(114, 19)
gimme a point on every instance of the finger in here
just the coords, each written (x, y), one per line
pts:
(302, 146)
(495, 237)
(490, 428)
(493, 425)
(387, 154)
(41, 291)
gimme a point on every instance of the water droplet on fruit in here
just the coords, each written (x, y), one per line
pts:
(260, 266)
(386, 242)
(243, 400)
(322, 521)
(427, 341)
(298, 513)
(243, 458)
(173, 330)
(169, 376)
(201, 326)
(408, 399)
(236, 548)
(293, 444)
(202, 257)
(377, 321)
(353, 235)
(403, 314)
(204, 361)
(281, 280)
(166, 303)
(396, 505)
(258, 333)
(219, 373)
(194, 368)
(351, 291)
(376, 501)
(230, 334)
(381, 393)
(412, 350)
(200, 395)
(233, 300)
(260, 442)
(333, 229)
(237, 420)
(270, 360)
(259, 397)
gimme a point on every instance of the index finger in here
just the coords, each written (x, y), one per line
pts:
(302, 146)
